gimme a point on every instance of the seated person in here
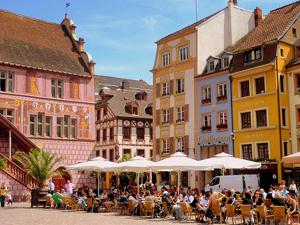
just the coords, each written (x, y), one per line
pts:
(57, 198)
(204, 205)
(109, 201)
(166, 198)
(278, 200)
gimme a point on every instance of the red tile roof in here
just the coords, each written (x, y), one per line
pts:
(38, 44)
(271, 28)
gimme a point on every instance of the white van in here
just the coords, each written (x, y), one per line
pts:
(236, 182)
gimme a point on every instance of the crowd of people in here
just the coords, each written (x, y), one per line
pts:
(168, 201)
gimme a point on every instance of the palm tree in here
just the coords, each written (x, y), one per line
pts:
(2, 164)
(40, 164)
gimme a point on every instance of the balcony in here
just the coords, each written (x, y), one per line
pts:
(221, 98)
(222, 126)
(179, 120)
(206, 101)
(206, 128)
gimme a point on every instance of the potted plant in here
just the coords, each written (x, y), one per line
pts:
(3, 164)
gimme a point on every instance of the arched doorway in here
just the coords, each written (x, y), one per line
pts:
(60, 181)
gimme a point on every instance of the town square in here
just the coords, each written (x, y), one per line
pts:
(149, 112)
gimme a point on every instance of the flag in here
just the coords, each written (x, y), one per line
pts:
(68, 4)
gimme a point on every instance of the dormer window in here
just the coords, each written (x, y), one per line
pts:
(132, 108)
(252, 55)
(226, 62)
(211, 66)
(142, 96)
(149, 109)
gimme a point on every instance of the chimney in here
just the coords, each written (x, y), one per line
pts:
(92, 67)
(72, 28)
(234, 2)
(258, 16)
(125, 85)
(80, 44)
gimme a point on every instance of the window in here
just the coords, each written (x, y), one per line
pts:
(6, 81)
(252, 55)
(140, 133)
(179, 86)
(97, 153)
(32, 122)
(126, 132)
(184, 53)
(140, 152)
(212, 66)
(165, 146)
(151, 133)
(98, 114)
(98, 135)
(206, 122)
(244, 88)
(111, 134)
(263, 151)
(206, 95)
(73, 128)
(48, 124)
(40, 124)
(165, 89)
(298, 83)
(104, 111)
(222, 92)
(59, 127)
(56, 88)
(8, 113)
(294, 31)
(261, 118)
(282, 52)
(226, 62)
(222, 118)
(246, 120)
(247, 152)
(166, 59)
(283, 117)
(165, 116)
(104, 135)
(282, 83)
(66, 126)
(285, 148)
(104, 155)
(180, 144)
(259, 85)
(180, 114)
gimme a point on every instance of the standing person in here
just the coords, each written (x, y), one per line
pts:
(293, 187)
(51, 186)
(69, 187)
(3, 193)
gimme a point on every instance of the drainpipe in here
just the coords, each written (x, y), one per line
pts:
(9, 144)
(231, 108)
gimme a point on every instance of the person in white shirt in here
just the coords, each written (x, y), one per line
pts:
(293, 187)
(69, 187)
(51, 186)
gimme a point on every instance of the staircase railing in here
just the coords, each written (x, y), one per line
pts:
(19, 174)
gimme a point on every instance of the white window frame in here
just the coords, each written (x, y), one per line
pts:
(165, 89)
(221, 87)
(166, 58)
(179, 86)
(5, 75)
(179, 114)
(222, 116)
(206, 120)
(286, 117)
(165, 115)
(165, 146)
(252, 150)
(206, 95)
(184, 53)
(254, 84)
(180, 144)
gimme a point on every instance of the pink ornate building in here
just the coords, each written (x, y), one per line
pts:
(47, 88)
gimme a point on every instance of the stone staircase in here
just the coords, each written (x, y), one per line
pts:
(18, 174)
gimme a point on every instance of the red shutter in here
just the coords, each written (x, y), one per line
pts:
(186, 145)
(158, 90)
(171, 113)
(186, 113)
(172, 147)
(157, 117)
(171, 87)
(157, 147)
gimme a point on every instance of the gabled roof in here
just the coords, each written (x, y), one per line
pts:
(16, 133)
(33, 43)
(271, 28)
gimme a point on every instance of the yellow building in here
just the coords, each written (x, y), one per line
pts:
(260, 92)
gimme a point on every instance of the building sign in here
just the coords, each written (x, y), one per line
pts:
(211, 140)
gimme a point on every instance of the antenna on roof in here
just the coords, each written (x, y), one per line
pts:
(68, 4)
(196, 5)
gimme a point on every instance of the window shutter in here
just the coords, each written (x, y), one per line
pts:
(186, 145)
(158, 90)
(172, 147)
(186, 113)
(171, 87)
(157, 117)
(171, 112)
(157, 147)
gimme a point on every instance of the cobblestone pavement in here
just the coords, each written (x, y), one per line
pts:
(22, 214)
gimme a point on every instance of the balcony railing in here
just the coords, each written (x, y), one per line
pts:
(206, 101)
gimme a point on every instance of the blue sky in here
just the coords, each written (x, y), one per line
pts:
(120, 34)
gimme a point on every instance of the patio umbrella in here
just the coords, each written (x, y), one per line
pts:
(291, 159)
(225, 161)
(97, 164)
(179, 162)
(137, 165)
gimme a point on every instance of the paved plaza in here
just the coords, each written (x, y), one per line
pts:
(22, 214)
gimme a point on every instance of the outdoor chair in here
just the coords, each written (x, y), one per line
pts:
(230, 213)
(90, 204)
(279, 214)
(47, 201)
(217, 211)
(166, 209)
(130, 207)
(149, 208)
(187, 210)
(262, 215)
(72, 203)
(246, 212)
